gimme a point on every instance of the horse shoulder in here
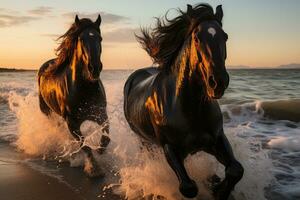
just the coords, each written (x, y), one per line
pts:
(160, 100)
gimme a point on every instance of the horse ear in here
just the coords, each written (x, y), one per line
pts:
(189, 8)
(219, 13)
(98, 21)
(77, 20)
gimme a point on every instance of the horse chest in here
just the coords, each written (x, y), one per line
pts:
(199, 140)
(85, 99)
(191, 138)
(193, 131)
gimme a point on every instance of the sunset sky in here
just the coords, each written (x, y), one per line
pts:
(261, 33)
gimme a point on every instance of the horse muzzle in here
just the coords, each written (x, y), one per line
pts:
(217, 86)
(218, 94)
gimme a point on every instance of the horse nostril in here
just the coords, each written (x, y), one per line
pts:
(212, 83)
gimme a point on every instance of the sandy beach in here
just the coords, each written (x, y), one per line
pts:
(20, 181)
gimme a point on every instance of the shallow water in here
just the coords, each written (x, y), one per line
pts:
(261, 112)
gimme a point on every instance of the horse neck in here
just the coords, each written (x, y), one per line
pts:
(78, 66)
(188, 78)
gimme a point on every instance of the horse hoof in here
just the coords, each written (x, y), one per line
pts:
(220, 192)
(92, 170)
(189, 190)
(214, 181)
(104, 141)
(100, 150)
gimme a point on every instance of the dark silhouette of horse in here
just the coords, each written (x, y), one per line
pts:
(175, 104)
(70, 85)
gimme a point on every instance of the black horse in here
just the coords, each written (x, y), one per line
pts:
(71, 87)
(175, 104)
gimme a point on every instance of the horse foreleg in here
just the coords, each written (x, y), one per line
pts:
(233, 169)
(187, 186)
(104, 140)
(90, 166)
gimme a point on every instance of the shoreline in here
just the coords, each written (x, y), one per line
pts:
(4, 69)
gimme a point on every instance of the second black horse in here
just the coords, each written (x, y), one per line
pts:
(175, 104)
(70, 85)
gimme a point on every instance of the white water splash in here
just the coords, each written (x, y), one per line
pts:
(47, 137)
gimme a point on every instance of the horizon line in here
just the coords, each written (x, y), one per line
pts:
(283, 66)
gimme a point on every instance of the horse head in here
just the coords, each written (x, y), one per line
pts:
(195, 35)
(209, 41)
(89, 46)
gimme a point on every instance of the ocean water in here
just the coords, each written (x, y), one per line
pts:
(261, 111)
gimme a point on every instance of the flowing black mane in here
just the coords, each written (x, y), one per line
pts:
(68, 43)
(164, 42)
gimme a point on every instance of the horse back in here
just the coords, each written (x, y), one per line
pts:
(136, 91)
(45, 66)
(137, 77)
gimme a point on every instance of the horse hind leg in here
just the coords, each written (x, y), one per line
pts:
(43, 106)
(233, 169)
(90, 166)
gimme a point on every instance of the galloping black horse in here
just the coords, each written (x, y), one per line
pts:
(175, 104)
(70, 84)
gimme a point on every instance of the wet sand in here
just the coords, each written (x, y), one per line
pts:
(20, 181)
